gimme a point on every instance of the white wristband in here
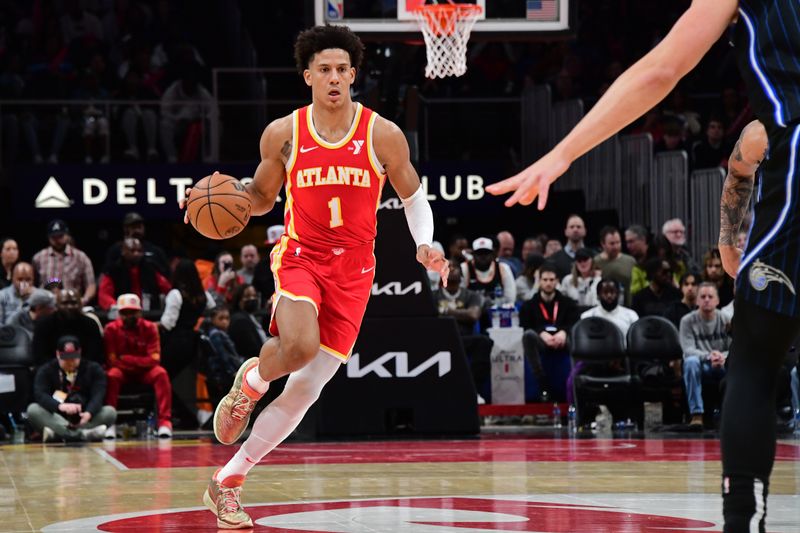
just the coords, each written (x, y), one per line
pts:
(419, 217)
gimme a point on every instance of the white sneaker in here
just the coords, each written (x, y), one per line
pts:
(111, 432)
(95, 433)
(165, 432)
(48, 435)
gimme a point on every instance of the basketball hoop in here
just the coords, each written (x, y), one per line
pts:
(446, 28)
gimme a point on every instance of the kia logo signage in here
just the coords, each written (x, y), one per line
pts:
(395, 288)
(441, 360)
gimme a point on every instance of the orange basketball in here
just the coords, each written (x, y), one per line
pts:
(219, 206)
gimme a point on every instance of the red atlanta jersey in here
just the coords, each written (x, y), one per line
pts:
(333, 189)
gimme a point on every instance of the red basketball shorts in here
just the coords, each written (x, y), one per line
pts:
(336, 281)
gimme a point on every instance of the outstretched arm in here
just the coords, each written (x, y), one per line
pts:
(638, 89)
(747, 155)
(392, 151)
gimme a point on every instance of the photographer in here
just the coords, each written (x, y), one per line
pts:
(224, 280)
(68, 396)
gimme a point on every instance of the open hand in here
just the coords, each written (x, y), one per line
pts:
(182, 203)
(533, 181)
(434, 260)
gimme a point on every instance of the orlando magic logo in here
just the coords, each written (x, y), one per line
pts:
(762, 275)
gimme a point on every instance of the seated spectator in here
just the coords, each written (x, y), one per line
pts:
(465, 305)
(246, 331)
(613, 263)
(705, 341)
(712, 151)
(133, 227)
(552, 248)
(609, 308)
(562, 258)
(134, 88)
(639, 249)
(656, 297)
(224, 280)
(225, 361)
(132, 275)
(531, 245)
(13, 297)
(674, 137)
(489, 277)
(528, 281)
(9, 254)
(546, 318)
(68, 319)
(663, 250)
(458, 248)
(134, 355)
(675, 311)
(505, 252)
(248, 256)
(40, 303)
(68, 395)
(183, 307)
(581, 283)
(62, 261)
(714, 273)
(186, 107)
(675, 232)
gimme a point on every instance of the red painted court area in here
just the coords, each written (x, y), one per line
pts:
(489, 450)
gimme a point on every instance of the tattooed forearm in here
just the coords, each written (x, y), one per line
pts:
(735, 200)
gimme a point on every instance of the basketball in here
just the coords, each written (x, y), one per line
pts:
(219, 206)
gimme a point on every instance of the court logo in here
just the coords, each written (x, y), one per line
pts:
(442, 361)
(52, 196)
(761, 275)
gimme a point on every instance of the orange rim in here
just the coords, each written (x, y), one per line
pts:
(443, 15)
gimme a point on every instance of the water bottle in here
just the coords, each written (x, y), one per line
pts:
(497, 298)
(556, 415)
(572, 419)
(151, 425)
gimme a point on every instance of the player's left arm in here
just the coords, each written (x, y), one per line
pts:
(391, 148)
(747, 155)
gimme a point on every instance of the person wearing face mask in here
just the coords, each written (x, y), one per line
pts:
(464, 305)
(489, 277)
(67, 320)
(246, 331)
(132, 274)
(224, 280)
(609, 308)
(13, 297)
(183, 307)
(134, 355)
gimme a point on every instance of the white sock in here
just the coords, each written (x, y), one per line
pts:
(254, 380)
(283, 415)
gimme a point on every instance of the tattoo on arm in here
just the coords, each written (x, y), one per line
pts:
(286, 151)
(735, 200)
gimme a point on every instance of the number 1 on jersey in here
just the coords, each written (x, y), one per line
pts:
(336, 212)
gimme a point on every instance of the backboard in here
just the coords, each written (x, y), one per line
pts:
(505, 19)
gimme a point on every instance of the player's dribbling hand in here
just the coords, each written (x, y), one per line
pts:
(182, 203)
(533, 181)
(731, 257)
(434, 260)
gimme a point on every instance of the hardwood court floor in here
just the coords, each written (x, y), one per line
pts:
(495, 483)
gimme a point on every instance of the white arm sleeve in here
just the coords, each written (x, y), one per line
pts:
(419, 216)
(172, 308)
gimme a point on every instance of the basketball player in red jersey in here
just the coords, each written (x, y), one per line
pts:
(334, 158)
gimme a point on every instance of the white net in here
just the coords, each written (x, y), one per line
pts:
(446, 28)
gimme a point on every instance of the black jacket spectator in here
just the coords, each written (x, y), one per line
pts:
(243, 331)
(648, 303)
(532, 317)
(89, 386)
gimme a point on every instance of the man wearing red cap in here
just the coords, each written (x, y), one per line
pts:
(134, 354)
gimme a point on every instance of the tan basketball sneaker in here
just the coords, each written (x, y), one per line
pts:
(224, 500)
(233, 412)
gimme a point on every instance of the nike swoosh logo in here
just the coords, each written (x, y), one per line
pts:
(365, 270)
(303, 149)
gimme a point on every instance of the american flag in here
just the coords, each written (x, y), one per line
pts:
(541, 9)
